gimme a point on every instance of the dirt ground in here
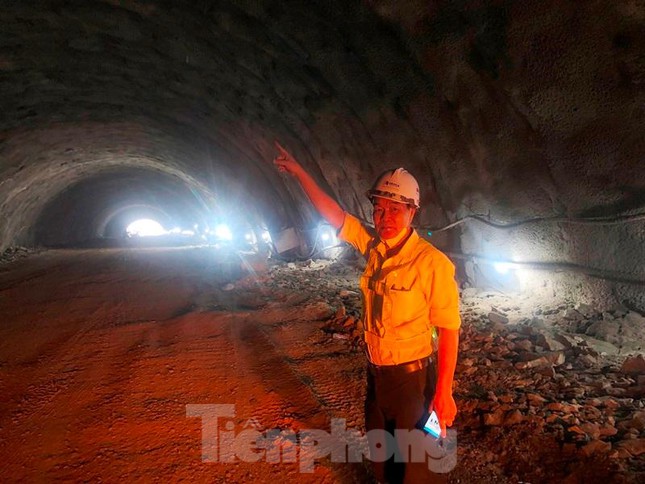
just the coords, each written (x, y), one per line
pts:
(109, 359)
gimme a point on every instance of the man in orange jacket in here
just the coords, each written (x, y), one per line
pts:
(409, 292)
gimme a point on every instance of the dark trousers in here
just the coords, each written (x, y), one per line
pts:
(397, 399)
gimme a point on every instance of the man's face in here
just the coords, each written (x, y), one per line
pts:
(391, 217)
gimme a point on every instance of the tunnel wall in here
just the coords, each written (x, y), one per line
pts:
(520, 113)
(548, 100)
(505, 110)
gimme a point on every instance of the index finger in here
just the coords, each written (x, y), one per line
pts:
(280, 148)
(444, 424)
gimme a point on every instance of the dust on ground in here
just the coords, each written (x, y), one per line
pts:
(107, 355)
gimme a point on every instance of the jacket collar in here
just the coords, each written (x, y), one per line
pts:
(403, 248)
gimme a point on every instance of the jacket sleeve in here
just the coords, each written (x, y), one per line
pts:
(355, 233)
(443, 300)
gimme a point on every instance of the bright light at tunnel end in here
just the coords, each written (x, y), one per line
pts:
(145, 228)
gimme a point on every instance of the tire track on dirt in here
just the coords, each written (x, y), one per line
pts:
(333, 373)
(309, 390)
(106, 401)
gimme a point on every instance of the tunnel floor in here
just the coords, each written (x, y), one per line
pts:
(105, 356)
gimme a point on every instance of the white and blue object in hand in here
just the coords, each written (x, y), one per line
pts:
(432, 426)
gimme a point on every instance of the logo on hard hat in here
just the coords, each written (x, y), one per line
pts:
(397, 185)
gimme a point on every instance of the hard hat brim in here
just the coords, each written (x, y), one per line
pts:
(391, 196)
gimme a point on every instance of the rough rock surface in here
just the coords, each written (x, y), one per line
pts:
(11, 254)
(533, 391)
(522, 114)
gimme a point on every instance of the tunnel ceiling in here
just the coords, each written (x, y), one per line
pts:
(506, 109)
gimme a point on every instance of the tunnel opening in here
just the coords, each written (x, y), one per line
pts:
(117, 224)
(145, 227)
(98, 209)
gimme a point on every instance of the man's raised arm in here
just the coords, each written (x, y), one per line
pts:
(326, 206)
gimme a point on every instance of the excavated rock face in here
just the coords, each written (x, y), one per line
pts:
(113, 110)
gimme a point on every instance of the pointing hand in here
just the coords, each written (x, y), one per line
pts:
(285, 162)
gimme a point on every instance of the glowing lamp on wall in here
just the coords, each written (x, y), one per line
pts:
(223, 232)
(328, 238)
(502, 267)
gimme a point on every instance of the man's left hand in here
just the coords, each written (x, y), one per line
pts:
(446, 408)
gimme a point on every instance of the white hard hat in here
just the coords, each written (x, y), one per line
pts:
(397, 185)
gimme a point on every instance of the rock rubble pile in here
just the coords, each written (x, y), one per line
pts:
(11, 254)
(556, 369)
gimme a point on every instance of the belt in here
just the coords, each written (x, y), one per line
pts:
(409, 367)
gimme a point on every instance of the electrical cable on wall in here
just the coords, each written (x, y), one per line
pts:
(552, 266)
(499, 225)
(599, 273)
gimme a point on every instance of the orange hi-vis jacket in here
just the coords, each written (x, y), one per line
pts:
(405, 295)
